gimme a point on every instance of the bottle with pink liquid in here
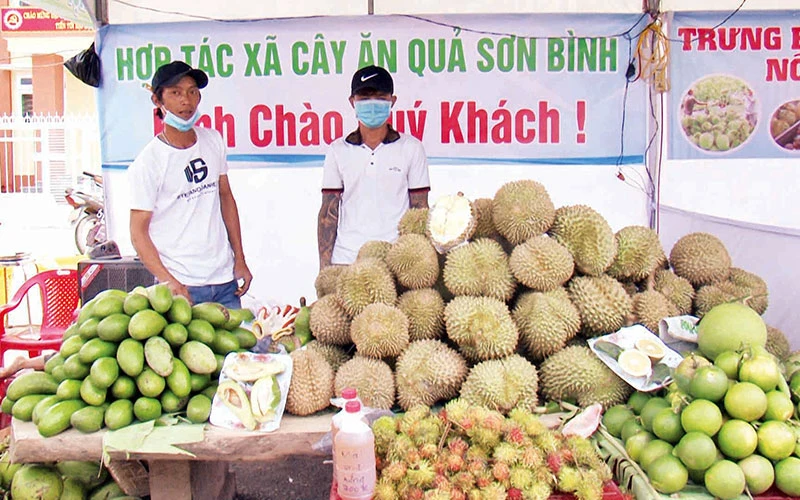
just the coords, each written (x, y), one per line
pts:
(354, 447)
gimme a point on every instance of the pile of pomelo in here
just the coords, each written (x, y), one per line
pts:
(728, 425)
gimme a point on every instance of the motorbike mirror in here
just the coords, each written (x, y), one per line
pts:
(107, 250)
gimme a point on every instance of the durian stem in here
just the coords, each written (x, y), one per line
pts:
(651, 281)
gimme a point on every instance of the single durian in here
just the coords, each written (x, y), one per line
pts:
(546, 322)
(372, 379)
(502, 384)
(758, 298)
(325, 283)
(311, 387)
(413, 261)
(481, 326)
(639, 254)
(414, 221)
(428, 371)
(777, 343)
(701, 258)
(424, 309)
(479, 268)
(380, 331)
(521, 210)
(710, 296)
(335, 355)
(650, 307)
(374, 249)
(363, 283)
(541, 264)
(576, 373)
(603, 303)
(329, 322)
(484, 224)
(451, 222)
(678, 290)
(587, 236)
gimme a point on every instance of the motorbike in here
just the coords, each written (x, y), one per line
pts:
(88, 215)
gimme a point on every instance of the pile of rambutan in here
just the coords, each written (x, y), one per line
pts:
(471, 452)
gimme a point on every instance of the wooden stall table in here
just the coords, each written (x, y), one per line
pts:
(178, 477)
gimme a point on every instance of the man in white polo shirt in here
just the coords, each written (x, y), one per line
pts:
(370, 177)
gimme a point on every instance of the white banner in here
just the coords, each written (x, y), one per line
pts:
(521, 88)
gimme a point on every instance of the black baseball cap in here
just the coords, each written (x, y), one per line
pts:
(372, 77)
(171, 73)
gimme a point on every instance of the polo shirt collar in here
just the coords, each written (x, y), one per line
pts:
(355, 138)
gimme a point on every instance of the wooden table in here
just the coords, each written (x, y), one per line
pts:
(179, 477)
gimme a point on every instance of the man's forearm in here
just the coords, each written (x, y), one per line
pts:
(230, 216)
(148, 254)
(327, 227)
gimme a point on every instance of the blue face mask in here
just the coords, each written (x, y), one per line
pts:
(373, 112)
(179, 123)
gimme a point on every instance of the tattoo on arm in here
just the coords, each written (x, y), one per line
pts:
(418, 198)
(327, 226)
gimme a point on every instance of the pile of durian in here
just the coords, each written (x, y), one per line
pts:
(468, 451)
(501, 318)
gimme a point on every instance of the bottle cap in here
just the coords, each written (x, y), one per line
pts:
(352, 407)
(349, 393)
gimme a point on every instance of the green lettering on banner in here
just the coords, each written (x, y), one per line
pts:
(272, 59)
(125, 63)
(252, 68)
(555, 54)
(299, 49)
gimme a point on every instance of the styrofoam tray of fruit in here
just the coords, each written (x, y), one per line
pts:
(627, 338)
(246, 369)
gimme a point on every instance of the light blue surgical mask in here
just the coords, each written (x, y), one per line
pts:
(179, 123)
(373, 112)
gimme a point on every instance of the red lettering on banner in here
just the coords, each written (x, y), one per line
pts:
(733, 38)
(781, 70)
(500, 126)
(795, 37)
(257, 137)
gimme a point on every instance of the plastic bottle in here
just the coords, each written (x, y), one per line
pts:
(355, 456)
(348, 394)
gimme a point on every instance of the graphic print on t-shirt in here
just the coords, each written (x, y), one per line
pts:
(196, 172)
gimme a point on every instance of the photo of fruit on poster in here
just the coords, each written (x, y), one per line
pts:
(784, 126)
(718, 113)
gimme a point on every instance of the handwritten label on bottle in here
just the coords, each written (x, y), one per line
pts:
(355, 477)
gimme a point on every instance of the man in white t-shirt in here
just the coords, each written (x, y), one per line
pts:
(370, 177)
(184, 219)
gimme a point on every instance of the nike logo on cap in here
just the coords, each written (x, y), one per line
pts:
(365, 78)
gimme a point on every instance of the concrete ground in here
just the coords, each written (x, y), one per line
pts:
(38, 225)
(296, 478)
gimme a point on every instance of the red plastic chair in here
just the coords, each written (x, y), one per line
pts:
(60, 298)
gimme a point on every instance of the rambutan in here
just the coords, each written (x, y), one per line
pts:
(385, 490)
(463, 481)
(494, 491)
(569, 479)
(538, 491)
(422, 475)
(483, 479)
(457, 446)
(501, 471)
(514, 494)
(428, 451)
(554, 462)
(521, 477)
(507, 453)
(514, 434)
(455, 463)
(394, 471)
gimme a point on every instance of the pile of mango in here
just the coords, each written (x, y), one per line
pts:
(64, 480)
(131, 356)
